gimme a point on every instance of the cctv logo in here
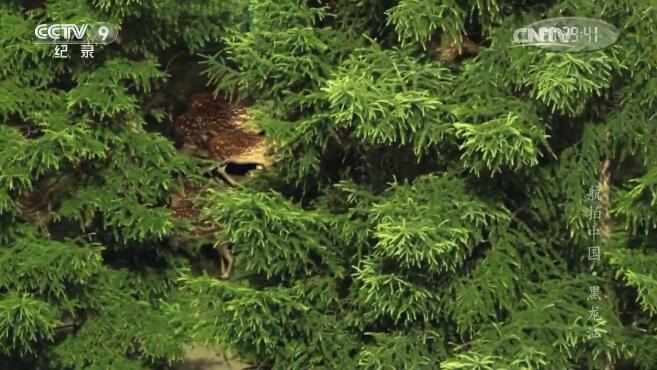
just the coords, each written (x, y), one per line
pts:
(56, 32)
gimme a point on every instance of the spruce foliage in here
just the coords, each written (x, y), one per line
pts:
(429, 208)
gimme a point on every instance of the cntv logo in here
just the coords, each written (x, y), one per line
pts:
(567, 34)
(68, 33)
(544, 34)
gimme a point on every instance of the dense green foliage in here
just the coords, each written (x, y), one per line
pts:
(423, 213)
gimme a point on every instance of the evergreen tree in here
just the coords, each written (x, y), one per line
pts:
(85, 179)
(430, 206)
(435, 208)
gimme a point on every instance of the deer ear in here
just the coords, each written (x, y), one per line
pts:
(469, 46)
(451, 52)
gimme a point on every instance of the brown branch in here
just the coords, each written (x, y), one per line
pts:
(605, 202)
